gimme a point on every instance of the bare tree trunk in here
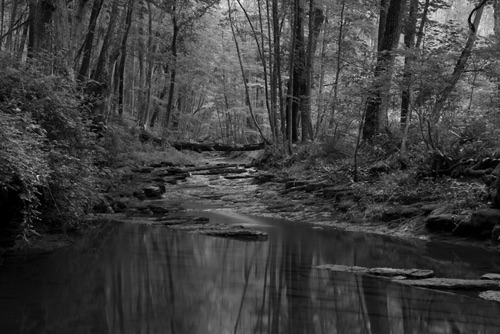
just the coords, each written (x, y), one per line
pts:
(173, 66)
(2, 22)
(382, 21)
(247, 94)
(496, 30)
(89, 40)
(297, 83)
(385, 59)
(270, 111)
(77, 31)
(277, 66)
(272, 74)
(123, 58)
(101, 72)
(410, 33)
(316, 19)
(13, 14)
(260, 49)
(22, 42)
(290, 92)
(39, 32)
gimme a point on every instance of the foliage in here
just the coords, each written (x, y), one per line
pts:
(47, 153)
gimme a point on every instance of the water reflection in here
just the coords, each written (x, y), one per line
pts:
(144, 279)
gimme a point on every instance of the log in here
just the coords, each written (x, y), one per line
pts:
(199, 147)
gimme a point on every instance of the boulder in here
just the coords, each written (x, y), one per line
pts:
(346, 205)
(337, 193)
(495, 234)
(120, 206)
(429, 208)
(400, 212)
(264, 178)
(484, 221)
(143, 170)
(152, 192)
(139, 195)
(157, 209)
(446, 222)
(294, 183)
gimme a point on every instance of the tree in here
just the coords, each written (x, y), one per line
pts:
(88, 44)
(180, 19)
(382, 74)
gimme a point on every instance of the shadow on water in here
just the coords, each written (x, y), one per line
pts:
(133, 278)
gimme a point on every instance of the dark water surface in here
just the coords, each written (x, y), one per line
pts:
(136, 278)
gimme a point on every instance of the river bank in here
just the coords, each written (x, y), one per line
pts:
(385, 202)
(162, 188)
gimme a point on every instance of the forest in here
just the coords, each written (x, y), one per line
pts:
(399, 100)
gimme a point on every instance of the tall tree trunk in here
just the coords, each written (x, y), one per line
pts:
(2, 22)
(39, 32)
(123, 58)
(340, 50)
(290, 91)
(320, 101)
(410, 33)
(496, 30)
(149, 77)
(240, 60)
(382, 21)
(260, 50)
(385, 59)
(273, 82)
(22, 42)
(316, 19)
(101, 72)
(297, 85)
(89, 41)
(173, 66)
(270, 111)
(277, 65)
(77, 30)
(13, 13)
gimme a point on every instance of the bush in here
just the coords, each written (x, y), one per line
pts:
(47, 154)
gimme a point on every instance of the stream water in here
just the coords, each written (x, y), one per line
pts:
(139, 278)
(146, 278)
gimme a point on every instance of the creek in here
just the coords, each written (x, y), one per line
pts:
(142, 277)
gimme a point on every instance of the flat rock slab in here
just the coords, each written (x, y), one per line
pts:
(490, 295)
(232, 232)
(414, 274)
(201, 225)
(454, 284)
(491, 276)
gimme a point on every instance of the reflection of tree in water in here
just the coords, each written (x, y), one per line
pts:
(145, 279)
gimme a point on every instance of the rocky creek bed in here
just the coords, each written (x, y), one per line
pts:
(170, 195)
(163, 189)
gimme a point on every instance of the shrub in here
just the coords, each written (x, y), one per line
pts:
(47, 154)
